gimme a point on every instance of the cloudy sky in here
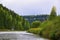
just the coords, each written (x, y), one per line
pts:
(31, 7)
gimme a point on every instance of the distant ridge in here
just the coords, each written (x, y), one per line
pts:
(32, 18)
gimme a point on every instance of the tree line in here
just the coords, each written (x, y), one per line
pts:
(11, 20)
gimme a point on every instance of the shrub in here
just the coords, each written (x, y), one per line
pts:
(51, 29)
(35, 24)
(34, 30)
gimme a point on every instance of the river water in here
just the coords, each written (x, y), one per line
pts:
(23, 35)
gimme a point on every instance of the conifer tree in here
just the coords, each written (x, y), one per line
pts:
(53, 13)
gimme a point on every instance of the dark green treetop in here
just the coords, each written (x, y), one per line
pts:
(53, 13)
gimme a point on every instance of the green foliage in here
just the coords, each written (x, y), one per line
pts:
(53, 13)
(10, 20)
(4, 30)
(34, 30)
(51, 29)
(45, 31)
(35, 24)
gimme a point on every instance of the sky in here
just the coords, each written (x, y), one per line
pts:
(31, 7)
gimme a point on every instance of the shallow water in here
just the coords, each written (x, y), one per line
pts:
(23, 35)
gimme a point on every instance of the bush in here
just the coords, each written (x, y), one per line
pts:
(35, 24)
(51, 29)
(54, 36)
(4, 30)
(34, 30)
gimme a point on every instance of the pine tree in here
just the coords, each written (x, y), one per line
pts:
(53, 13)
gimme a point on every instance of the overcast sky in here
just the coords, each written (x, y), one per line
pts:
(31, 7)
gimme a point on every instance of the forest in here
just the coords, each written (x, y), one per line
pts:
(9, 20)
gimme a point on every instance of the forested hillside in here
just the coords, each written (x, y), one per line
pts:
(12, 21)
(32, 18)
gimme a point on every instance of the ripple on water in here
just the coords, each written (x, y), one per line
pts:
(19, 36)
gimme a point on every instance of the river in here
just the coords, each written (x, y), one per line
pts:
(22, 35)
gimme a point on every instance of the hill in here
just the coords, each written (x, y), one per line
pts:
(32, 18)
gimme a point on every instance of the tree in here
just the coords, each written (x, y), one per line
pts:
(27, 25)
(35, 24)
(53, 13)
